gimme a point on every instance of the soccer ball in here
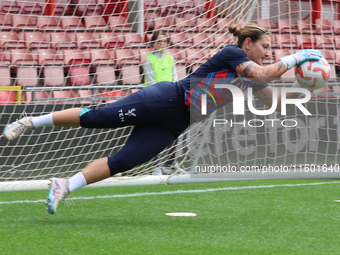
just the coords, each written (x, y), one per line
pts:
(313, 75)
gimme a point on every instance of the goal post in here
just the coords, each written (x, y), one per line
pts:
(59, 55)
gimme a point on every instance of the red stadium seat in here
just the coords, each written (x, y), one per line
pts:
(285, 41)
(152, 11)
(188, 9)
(181, 71)
(38, 95)
(64, 96)
(286, 26)
(89, 8)
(20, 22)
(104, 67)
(279, 53)
(180, 40)
(52, 66)
(324, 41)
(62, 40)
(183, 24)
(5, 69)
(222, 40)
(178, 55)
(205, 25)
(329, 56)
(35, 7)
(4, 23)
(112, 93)
(71, 23)
(10, 7)
(119, 23)
(133, 40)
(169, 9)
(202, 40)
(305, 41)
(195, 56)
(222, 24)
(7, 97)
(130, 75)
(25, 65)
(88, 94)
(36, 39)
(337, 41)
(323, 26)
(79, 68)
(163, 23)
(48, 23)
(87, 40)
(111, 40)
(10, 40)
(126, 57)
(269, 24)
(305, 27)
(95, 23)
(337, 57)
(333, 73)
(336, 26)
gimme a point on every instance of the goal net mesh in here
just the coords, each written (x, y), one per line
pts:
(60, 54)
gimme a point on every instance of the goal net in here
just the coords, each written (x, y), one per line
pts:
(61, 54)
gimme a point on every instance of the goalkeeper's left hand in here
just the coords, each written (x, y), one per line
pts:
(300, 57)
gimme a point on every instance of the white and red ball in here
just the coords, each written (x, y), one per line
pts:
(313, 75)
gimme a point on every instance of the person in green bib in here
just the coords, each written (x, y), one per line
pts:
(159, 66)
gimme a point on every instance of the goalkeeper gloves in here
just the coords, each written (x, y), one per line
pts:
(300, 57)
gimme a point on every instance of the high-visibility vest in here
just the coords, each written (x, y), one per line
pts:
(162, 69)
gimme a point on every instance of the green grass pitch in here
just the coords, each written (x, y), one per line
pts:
(254, 218)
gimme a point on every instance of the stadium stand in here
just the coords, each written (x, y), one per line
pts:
(111, 40)
(52, 66)
(205, 25)
(222, 25)
(7, 97)
(286, 26)
(25, 67)
(48, 23)
(78, 65)
(323, 26)
(38, 95)
(183, 24)
(305, 27)
(163, 23)
(104, 67)
(63, 96)
(268, 23)
(5, 69)
(285, 41)
(36, 39)
(119, 23)
(305, 41)
(95, 23)
(10, 40)
(23, 22)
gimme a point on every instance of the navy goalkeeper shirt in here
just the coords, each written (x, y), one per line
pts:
(220, 69)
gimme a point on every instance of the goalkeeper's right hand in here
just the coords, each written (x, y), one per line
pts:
(300, 57)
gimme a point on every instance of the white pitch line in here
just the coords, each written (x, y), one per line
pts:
(176, 192)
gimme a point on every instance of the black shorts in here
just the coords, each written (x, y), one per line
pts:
(159, 115)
